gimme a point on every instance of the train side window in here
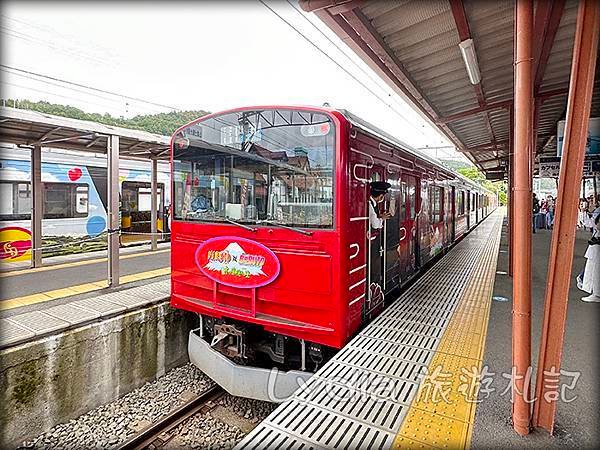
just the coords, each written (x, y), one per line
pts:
(468, 203)
(436, 197)
(460, 203)
(412, 197)
(23, 203)
(57, 203)
(62, 200)
(15, 200)
(6, 200)
(144, 199)
(403, 193)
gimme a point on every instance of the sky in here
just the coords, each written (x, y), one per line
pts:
(193, 55)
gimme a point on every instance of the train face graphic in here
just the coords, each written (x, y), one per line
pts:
(271, 240)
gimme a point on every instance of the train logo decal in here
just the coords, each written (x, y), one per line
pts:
(237, 262)
(15, 244)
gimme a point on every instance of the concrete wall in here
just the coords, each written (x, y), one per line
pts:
(55, 379)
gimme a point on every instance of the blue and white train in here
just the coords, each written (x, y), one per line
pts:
(74, 197)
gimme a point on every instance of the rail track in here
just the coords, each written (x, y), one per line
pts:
(158, 434)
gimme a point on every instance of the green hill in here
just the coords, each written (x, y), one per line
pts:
(161, 123)
(455, 165)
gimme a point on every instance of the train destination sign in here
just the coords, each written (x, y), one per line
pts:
(237, 262)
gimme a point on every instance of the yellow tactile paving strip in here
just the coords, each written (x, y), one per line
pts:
(443, 417)
(78, 289)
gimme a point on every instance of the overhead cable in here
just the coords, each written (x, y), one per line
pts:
(350, 74)
(137, 99)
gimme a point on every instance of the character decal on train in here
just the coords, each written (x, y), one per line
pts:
(375, 300)
(237, 262)
(15, 244)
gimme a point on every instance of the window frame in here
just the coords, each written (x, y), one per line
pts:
(436, 205)
(335, 123)
(72, 187)
(15, 196)
(460, 203)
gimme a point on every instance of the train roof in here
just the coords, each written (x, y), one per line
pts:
(372, 129)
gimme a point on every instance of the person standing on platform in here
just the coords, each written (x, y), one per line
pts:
(582, 213)
(535, 209)
(591, 274)
(543, 213)
(550, 212)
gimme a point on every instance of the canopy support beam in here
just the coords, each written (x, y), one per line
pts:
(521, 314)
(154, 205)
(113, 210)
(581, 87)
(37, 206)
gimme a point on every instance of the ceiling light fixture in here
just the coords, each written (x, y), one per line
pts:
(467, 49)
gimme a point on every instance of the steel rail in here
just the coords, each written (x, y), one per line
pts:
(150, 437)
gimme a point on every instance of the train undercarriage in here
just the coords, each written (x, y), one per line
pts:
(250, 345)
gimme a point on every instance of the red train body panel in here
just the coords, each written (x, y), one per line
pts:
(335, 273)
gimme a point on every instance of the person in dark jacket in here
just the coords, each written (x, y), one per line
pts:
(535, 209)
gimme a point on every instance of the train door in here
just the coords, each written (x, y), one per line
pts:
(453, 216)
(391, 232)
(404, 231)
(136, 201)
(447, 215)
(468, 209)
(424, 223)
(375, 245)
(411, 226)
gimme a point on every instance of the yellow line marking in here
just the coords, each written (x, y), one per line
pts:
(446, 421)
(14, 273)
(27, 300)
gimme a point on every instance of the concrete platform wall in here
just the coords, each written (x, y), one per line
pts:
(52, 380)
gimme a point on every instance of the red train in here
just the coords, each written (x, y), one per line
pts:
(271, 239)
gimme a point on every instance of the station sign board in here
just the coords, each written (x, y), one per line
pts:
(593, 141)
(550, 166)
(237, 262)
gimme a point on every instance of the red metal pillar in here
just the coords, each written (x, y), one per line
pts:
(563, 237)
(521, 314)
(511, 199)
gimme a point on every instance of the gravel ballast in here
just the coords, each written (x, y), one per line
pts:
(112, 424)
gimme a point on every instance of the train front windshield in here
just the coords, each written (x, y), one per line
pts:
(269, 165)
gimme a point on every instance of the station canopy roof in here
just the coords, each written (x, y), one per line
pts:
(26, 128)
(414, 46)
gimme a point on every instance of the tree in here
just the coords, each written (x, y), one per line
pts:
(472, 173)
(498, 187)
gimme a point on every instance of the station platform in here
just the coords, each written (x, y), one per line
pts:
(401, 382)
(49, 319)
(577, 415)
(63, 277)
